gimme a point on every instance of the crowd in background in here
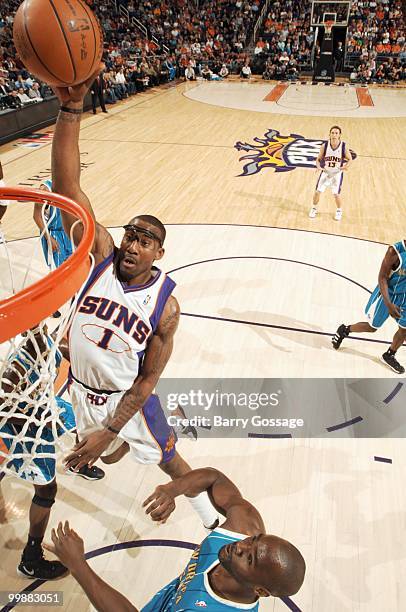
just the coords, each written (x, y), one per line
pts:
(376, 41)
(286, 40)
(186, 39)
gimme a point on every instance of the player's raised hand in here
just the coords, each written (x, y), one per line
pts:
(161, 503)
(78, 92)
(67, 545)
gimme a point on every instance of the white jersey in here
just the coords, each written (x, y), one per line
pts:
(333, 158)
(112, 326)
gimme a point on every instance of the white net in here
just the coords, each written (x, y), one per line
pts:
(33, 417)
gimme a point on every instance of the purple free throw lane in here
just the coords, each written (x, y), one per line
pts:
(353, 421)
(393, 393)
(383, 459)
(261, 435)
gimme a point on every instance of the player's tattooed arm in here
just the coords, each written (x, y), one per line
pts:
(241, 516)
(156, 357)
(66, 165)
(389, 263)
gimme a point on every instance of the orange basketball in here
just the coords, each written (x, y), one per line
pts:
(59, 41)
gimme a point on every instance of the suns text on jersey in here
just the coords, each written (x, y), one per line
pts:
(119, 315)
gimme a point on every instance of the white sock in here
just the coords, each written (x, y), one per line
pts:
(204, 508)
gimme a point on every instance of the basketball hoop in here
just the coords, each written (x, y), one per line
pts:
(33, 419)
(35, 303)
(328, 26)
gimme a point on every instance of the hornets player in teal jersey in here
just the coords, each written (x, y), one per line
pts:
(25, 368)
(56, 244)
(53, 236)
(233, 568)
(388, 299)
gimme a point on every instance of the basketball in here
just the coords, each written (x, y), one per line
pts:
(59, 41)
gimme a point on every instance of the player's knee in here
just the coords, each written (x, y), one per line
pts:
(45, 494)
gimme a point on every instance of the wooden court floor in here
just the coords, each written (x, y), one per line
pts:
(164, 154)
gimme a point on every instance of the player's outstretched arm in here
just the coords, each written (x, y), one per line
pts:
(66, 163)
(389, 263)
(68, 546)
(241, 516)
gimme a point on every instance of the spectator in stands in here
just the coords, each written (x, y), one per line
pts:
(206, 72)
(14, 101)
(224, 71)
(190, 74)
(120, 83)
(246, 70)
(34, 93)
(168, 65)
(23, 97)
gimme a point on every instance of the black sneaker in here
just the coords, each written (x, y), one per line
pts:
(41, 569)
(89, 473)
(390, 360)
(339, 336)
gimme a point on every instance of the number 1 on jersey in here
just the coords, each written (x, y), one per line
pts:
(104, 342)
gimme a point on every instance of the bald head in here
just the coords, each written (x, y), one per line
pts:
(265, 565)
(282, 566)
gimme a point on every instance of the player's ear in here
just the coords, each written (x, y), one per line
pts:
(262, 592)
(160, 253)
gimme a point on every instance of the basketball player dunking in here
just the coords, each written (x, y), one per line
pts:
(333, 159)
(121, 335)
(236, 565)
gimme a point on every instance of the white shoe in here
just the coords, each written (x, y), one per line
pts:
(339, 214)
(313, 212)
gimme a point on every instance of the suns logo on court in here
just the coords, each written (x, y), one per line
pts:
(283, 153)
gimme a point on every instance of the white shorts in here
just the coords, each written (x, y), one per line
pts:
(150, 438)
(333, 181)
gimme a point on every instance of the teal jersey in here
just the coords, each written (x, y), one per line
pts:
(397, 280)
(192, 590)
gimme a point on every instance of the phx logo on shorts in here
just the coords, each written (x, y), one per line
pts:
(283, 153)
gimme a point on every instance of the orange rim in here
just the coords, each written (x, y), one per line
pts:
(38, 301)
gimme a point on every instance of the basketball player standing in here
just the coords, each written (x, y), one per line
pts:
(121, 336)
(333, 159)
